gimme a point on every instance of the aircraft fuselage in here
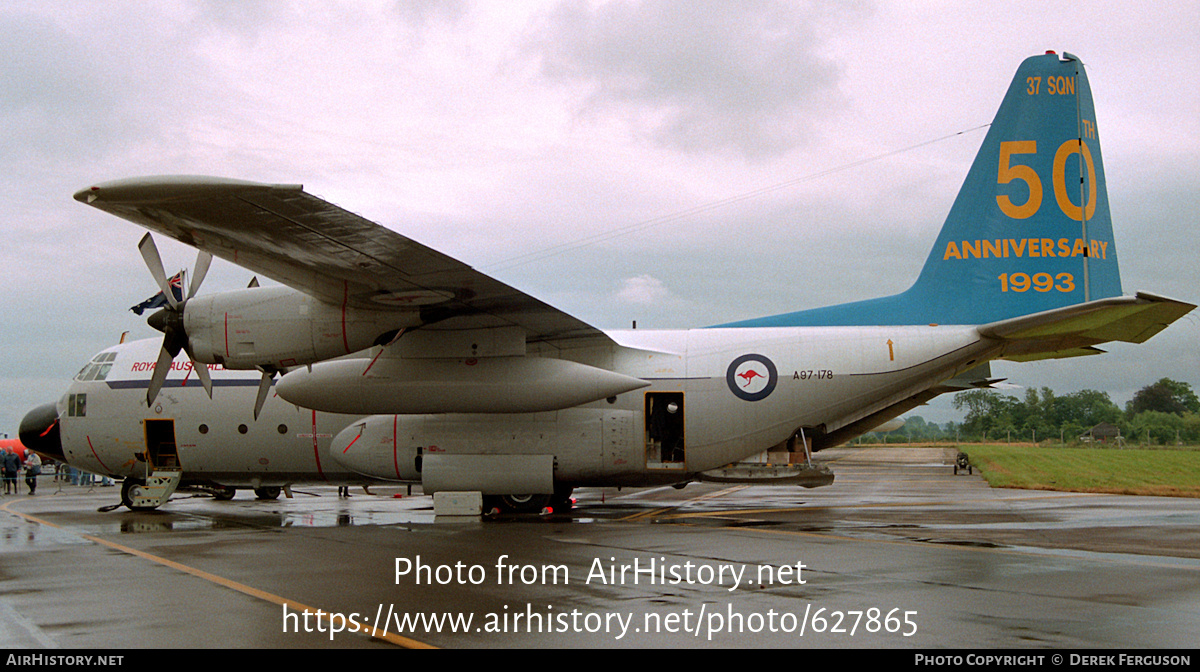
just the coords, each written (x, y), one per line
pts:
(737, 392)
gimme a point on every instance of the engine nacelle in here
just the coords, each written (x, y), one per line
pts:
(280, 327)
(370, 447)
(451, 385)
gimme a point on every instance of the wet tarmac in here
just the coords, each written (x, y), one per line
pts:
(898, 552)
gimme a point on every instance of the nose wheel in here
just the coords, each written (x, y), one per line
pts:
(131, 489)
(151, 493)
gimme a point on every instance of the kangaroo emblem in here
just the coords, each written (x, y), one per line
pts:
(749, 376)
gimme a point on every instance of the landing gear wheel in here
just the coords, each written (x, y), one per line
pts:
(516, 503)
(222, 493)
(131, 488)
(268, 492)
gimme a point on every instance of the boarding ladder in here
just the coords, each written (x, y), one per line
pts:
(159, 487)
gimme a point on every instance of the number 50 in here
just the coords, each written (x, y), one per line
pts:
(1008, 172)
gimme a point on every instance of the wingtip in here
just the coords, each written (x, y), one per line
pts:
(169, 187)
(87, 195)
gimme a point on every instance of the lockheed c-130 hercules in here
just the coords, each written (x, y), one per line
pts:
(391, 362)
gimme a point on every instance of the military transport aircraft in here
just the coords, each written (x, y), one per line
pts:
(381, 360)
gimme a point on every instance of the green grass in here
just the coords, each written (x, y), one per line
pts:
(1129, 471)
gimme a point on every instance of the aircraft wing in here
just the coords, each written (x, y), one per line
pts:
(1074, 331)
(320, 249)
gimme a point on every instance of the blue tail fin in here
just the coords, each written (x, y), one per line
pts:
(1030, 229)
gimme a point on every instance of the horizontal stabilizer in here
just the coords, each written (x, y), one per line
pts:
(1072, 331)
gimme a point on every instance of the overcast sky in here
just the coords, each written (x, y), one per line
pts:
(552, 144)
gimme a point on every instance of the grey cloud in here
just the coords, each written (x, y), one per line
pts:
(245, 19)
(700, 75)
(49, 103)
(420, 12)
(89, 86)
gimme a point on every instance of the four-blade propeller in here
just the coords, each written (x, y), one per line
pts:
(169, 320)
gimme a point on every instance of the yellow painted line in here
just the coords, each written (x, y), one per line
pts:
(719, 493)
(220, 580)
(698, 498)
(643, 514)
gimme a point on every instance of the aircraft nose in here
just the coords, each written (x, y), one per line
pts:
(39, 432)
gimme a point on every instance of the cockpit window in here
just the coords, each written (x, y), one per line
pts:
(77, 406)
(98, 368)
(93, 372)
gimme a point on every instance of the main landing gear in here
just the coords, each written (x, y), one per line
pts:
(559, 502)
(268, 492)
(223, 493)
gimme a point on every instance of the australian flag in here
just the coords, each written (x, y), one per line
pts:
(159, 300)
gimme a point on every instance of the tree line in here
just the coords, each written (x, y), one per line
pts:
(1166, 412)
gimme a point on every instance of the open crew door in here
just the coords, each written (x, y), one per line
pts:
(665, 437)
(160, 445)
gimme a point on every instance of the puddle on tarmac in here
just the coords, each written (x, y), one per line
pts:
(199, 513)
(18, 534)
(281, 514)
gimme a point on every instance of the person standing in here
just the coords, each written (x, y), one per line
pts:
(33, 469)
(12, 464)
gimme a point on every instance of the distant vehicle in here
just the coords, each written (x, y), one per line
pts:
(962, 462)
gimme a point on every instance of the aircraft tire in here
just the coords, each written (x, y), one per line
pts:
(223, 494)
(518, 503)
(128, 491)
(268, 492)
